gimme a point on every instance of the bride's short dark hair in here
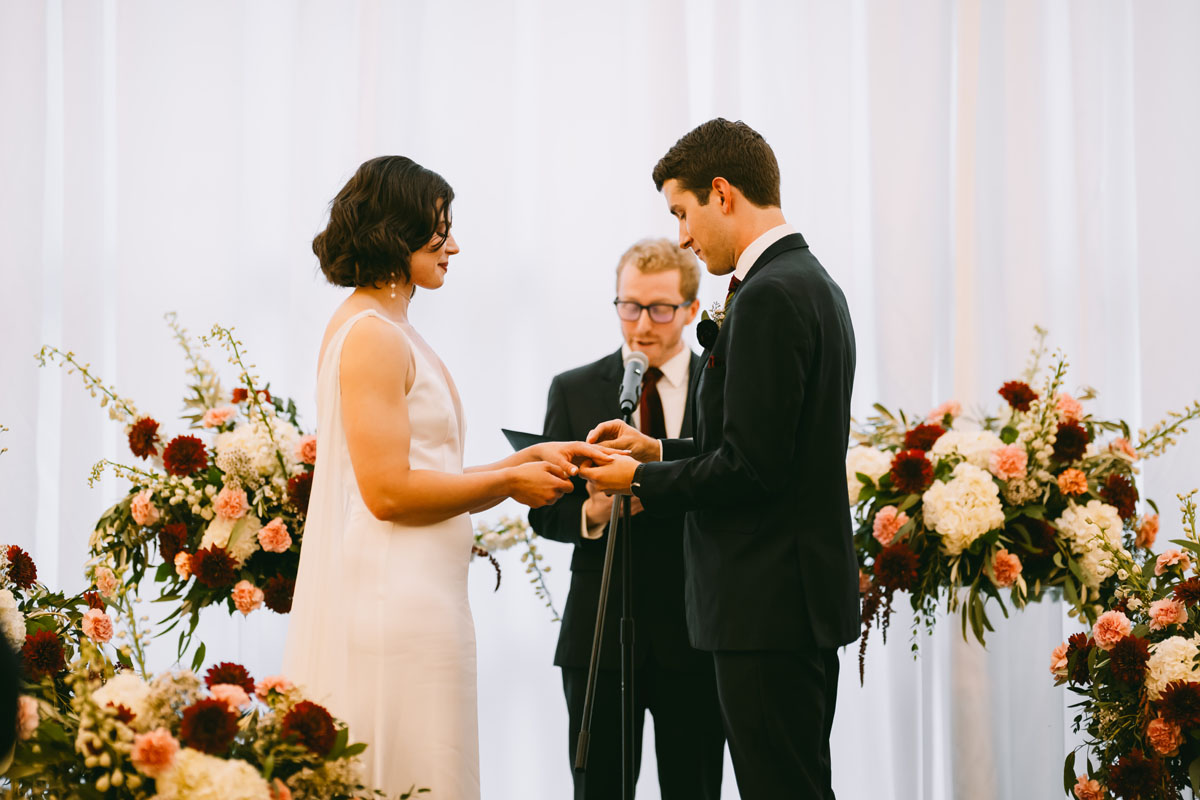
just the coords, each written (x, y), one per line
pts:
(391, 208)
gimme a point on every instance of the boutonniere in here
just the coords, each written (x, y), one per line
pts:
(710, 325)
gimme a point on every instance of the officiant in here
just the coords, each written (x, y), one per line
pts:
(655, 301)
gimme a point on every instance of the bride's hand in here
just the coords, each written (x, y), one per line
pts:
(570, 456)
(538, 483)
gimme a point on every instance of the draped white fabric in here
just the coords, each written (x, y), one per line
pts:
(964, 169)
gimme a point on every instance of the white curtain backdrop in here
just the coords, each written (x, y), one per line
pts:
(965, 169)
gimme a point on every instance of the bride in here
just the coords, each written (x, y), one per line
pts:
(381, 628)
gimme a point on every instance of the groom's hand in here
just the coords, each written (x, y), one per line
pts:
(613, 477)
(569, 456)
(622, 436)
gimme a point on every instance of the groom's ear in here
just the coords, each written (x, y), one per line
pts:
(722, 194)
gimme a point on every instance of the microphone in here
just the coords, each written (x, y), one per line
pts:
(636, 365)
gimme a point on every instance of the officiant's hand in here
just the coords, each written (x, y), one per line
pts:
(598, 507)
(538, 483)
(613, 477)
(569, 456)
(622, 436)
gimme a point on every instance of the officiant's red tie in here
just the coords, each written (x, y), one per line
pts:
(652, 422)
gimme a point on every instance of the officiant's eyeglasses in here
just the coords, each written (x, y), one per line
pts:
(659, 312)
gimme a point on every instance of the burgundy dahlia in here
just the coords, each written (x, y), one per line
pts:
(208, 726)
(1018, 394)
(1128, 659)
(1180, 704)
(922, 437)
(43, 655)
(1120, 492)
(1188, 592)
(124, 712)
(299, 489)
(21, 569)
(184, 456)
(172, 539)
(1137, 777)
(229, 672)
(1071, 442)
(214, 567)
(310, 725)
(896, 567)
(93, 600)
(277, 593)
(911, 472)
(143, 438)
(240, 395)
(1079, 647)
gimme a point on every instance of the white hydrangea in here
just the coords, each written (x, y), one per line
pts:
(1087, 526)
(870, 462)
(124, 689)
(12, 621)
(254, 443)
(964, 509)
(974, 447)
(1097, 565)
(1172, 659)
(197, 776)
(238, 536)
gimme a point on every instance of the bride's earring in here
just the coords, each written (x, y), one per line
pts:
(392, 286)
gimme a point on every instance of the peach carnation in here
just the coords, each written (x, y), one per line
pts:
(231, 503)
(1164, 736)
(274, 536)
(1006, 567)
(231, 695)
(1058, 661)
(1069, 409)
(280, 790)
(1167, 611)
(275, 683)
(1086, 789)
(952, 407)
(154, 752)
(1169, 559)
(1112, 627)
(1147, 532)
(306, 449)
(142, 508)
(247, 597)
(888, 523)
(1009, 462)
(1122, 446)
(106, 582)
(28, 717)
(216, 417)
(1072, 481)
(183, 564)
(97, 626)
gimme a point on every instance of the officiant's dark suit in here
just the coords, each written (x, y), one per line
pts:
(672, 680)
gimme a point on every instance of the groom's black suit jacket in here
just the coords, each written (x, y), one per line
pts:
(579, 400)
(769, 555)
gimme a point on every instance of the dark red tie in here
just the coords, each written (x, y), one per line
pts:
(653, 423)
(734, 283)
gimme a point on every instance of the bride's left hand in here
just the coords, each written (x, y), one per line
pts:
(570, 456)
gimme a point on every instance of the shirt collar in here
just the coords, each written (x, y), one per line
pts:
(758, 247)
(675, 371)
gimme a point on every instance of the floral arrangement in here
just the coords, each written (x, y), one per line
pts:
(1041, 496)
(505, 533)
(1137, 674)
(216, 514)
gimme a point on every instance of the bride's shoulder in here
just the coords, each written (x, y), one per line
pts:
(369, 334)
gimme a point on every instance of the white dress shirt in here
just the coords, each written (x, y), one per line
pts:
(758, 247)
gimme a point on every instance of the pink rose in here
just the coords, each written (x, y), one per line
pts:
(953, 408)
(280, 791)
(1112, 627)
(231, 695)
(274, 536)
(1069, 409)
(1169, 559)
(216, 417)
(106, 582)
(28, 717)
(1123, 447)
(1006, 567)
(142, 508)
(231, 503)
(1165, 737)
(247, 597)
(97, 626)
(1147, 532)
(306, 449)
(1009, 462)
(1088, 789)
(154, 752)
(1167, 611)
(183, 564)
(1058, 661)
(888, 523)
(275, 683)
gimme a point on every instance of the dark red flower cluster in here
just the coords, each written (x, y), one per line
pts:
(299, 489)
(214, 567)
(1128, 659)
(1137, 777)
(277, 593)
(896, 567)
(124, 712)
(1120, 492)
(208, 726)
(143, 438)
(911, 471)
(1071, 442)
(1018, 394)
(1188, 592)
(93, 600)
(229, 672)
(310, 725)
(21, 569)
(922, 437)
(1079, 647)
(184, 456)
(43, 655)
(240, 395)
(1180, 704)
(172, 539)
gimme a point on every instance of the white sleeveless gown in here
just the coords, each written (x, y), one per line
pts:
(381, 628)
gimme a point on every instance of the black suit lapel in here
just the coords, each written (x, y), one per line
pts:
(604, 402)
(793, 241)
(695, 366)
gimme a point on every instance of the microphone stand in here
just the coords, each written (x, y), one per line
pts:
(619, 520)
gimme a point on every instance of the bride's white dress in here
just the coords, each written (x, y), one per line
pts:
(381, 628)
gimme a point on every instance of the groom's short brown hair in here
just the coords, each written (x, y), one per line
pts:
(722, 149)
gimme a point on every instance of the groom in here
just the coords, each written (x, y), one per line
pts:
(771, 577)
